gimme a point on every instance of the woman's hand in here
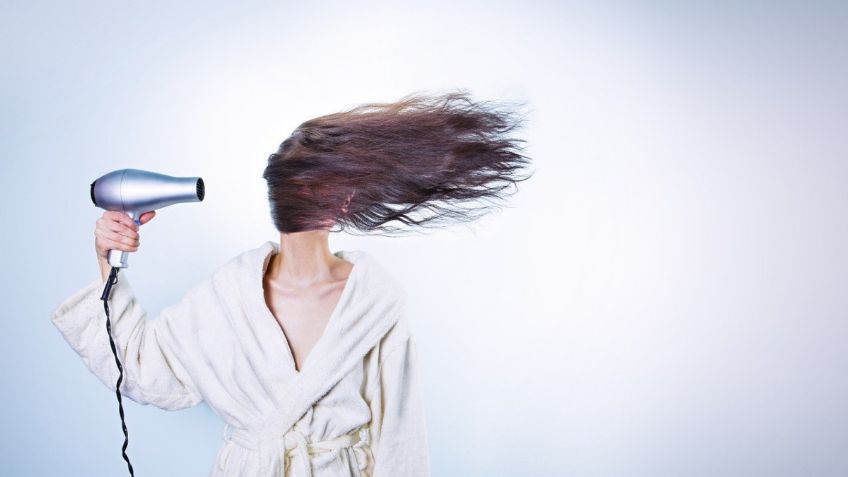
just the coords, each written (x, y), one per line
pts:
(116, 231)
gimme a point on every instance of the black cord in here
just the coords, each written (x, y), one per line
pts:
(113, 278)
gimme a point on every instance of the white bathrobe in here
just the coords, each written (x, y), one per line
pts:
(353, 410)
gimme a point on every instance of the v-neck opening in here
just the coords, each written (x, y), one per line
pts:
(332, 319)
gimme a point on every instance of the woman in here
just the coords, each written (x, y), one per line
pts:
(306, 354)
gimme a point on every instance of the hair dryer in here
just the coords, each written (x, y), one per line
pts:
(135, 191)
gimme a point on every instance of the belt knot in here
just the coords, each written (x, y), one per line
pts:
(276, 452)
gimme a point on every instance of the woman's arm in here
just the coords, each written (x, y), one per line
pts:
(153, 371)
(401, 445)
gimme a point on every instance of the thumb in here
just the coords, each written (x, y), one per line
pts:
(147, 217)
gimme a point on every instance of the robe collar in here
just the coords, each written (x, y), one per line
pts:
(371, 302)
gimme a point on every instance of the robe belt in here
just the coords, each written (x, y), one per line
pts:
(277, 451)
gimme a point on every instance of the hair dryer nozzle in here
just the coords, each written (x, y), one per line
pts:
(201, 189)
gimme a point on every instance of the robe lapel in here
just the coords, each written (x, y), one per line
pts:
(369, 306)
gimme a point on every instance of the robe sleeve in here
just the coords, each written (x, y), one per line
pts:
(401, 448)
(153, 372)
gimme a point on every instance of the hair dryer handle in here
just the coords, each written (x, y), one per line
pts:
(118, 258)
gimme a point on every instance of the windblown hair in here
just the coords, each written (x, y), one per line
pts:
(421, 161)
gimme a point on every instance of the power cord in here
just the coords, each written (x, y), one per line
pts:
(113, 278)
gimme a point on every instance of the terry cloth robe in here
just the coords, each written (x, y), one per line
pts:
(354, 409)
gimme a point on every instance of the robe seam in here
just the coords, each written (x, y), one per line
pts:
(392, 351)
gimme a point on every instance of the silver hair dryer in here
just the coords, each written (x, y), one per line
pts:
(135, 191)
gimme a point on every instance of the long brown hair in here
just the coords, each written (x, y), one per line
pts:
(421, 161)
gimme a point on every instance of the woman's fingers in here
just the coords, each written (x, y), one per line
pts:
(115, 231)
(117, 227)
(111, 240)
(121, 217)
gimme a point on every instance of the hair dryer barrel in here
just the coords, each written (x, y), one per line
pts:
(134, 192)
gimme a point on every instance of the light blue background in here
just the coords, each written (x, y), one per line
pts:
(666, 297)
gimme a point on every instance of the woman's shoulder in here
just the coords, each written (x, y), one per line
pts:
(377, 274)
(231, 271)
(252, 258)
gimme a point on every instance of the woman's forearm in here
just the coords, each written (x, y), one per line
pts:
(105, 268)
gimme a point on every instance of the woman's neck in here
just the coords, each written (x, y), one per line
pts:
(304, 259)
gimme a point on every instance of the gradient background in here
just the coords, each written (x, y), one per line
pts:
(667, 296)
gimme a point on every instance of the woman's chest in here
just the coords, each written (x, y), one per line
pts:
(302, 317)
